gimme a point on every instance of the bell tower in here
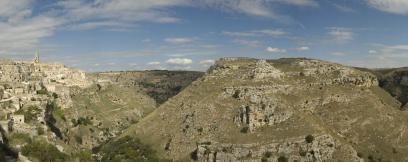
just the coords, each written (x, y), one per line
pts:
(36, 57)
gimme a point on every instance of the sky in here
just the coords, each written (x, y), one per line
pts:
(112, 35)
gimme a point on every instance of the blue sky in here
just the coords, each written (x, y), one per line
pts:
(103, 35)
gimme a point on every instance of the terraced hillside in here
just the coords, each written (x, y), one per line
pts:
(277, 110)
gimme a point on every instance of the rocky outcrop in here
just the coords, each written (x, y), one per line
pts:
(310, 148)
(395, 82)
(264, 70)
(259, 107)
(330, 73)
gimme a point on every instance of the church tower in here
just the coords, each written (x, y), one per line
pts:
(36, 57)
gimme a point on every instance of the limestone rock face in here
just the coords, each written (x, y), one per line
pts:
(264, 70)
(320, 149)
(344, 75)
(259, 110)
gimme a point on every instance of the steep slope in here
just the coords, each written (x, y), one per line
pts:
(158, 84)
(67, 113)
(278, 110)
(394, 81)
(114, 102)
(100, 113)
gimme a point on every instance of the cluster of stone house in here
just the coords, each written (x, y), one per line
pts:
(24, 84)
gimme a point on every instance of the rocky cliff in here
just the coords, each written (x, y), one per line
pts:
(394, 81)
(278, 110)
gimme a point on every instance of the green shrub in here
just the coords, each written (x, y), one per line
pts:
(245, 129)
(236, 94)
(30, 113)
(82, 121)
(43, 151)
(283, 159)
(42, 92)
(82, 156)
(40, 131)
(54, 95)
(309, 138)
(78, 139)
(129, 149)
(58, 112)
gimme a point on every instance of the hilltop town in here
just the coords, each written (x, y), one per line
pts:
(49, 102)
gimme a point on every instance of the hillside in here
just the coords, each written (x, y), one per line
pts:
(115, 101)
(158, 84)
(278, 110)
(67, 112)
(394, 81)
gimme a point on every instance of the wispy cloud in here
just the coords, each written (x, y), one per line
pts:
(257, 33)
(250, 43)
(341, 35)
(310, 3)
(178, 40)
(179, 61)
(102, 13)
(275, 50)
(20, 30)
(207, 62)
(382, 55)
(372, 51)
(391, 6)
(344, 8)
(303, 48)
(154, 63)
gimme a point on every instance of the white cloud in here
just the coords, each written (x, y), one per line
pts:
(259, 8)
(20, 30)
(89, 14)
(154, 63)
(207, 62)
(102, 13)
(275, 50)
(250, 43)
(344, 8)
(10, 8)
(304, 48)
(341, 35)
(113, 25)
(270, 32)
(386, 56)
(178, 40)
(257, 33)
(372, 51)
(249, 7)
(179, 61)
(300, 2)
(391, 6)
(239, 34)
